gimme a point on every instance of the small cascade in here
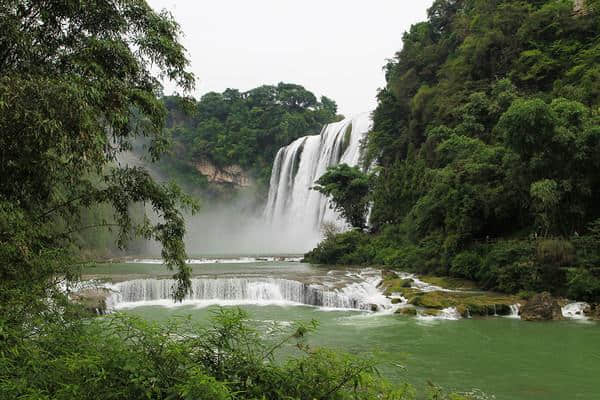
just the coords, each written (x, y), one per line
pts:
(291, 203)
(450, 313)
(575, 310)
(262, 291)
(514, 311)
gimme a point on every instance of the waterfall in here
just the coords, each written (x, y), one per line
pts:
(238, 291)
(514, 311)
(575, 310)
(291, 203)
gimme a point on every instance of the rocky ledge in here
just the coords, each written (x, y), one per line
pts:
(233, 174)
(93, 300)
(541, 307)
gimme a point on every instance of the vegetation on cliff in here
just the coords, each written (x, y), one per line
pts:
(245, 129)
(486, 139)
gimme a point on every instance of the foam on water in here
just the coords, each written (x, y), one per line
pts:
(575, 310)
(450, 314)
(362, 295)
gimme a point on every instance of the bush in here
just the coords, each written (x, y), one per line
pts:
(466, 265)
(339, 249)
(583, 285)
(555, 252)
(128, 358)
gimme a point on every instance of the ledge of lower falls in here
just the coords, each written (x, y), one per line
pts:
(360, 295)
(368, 290)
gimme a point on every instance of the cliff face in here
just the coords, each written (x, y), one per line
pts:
(233, 174)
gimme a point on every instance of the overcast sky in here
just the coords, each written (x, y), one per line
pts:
(335, 48)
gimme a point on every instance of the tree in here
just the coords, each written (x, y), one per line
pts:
(243, 128)
(546, 198)
(75, 89)
(348, 187)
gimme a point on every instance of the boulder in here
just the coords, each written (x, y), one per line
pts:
(373, 307)
(407, 311)
(541, 307)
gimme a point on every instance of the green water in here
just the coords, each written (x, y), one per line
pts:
(509, 358)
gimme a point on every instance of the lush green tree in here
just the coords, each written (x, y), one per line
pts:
(484, 139)
(75, 89)
(348, 187)
(244, 129)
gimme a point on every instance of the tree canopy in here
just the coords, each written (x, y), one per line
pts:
(245, 128)
(488, 130)
(348, 187)
(76, 87)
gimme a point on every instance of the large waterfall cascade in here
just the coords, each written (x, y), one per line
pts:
(292, 205)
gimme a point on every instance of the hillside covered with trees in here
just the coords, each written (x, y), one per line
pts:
(243, 129)
(486, 140)
(76, 91)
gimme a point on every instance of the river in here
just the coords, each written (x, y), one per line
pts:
(501, 356)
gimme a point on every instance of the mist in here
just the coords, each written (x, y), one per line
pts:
(228, 227)
(240, 228)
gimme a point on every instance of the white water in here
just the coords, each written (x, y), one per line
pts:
(514, 311)
(575, 310)
(239, 291)
(292, 205)
(228, 260)
(450, 314)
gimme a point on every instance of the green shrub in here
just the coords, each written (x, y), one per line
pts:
(128, 358)
(583, 285)
(466, 265)
(339, 249)
(556, 252)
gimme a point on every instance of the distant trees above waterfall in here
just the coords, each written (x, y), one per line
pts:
(488, 129)
(245, 128)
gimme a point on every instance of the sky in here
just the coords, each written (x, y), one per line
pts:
(335, 48)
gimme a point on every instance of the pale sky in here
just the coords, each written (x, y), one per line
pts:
(335, 48)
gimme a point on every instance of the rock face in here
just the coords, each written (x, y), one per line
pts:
(94, 300)
(233, 174)
(593, 312)
(541, 307)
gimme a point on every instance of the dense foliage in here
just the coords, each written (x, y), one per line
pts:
(75, 91)
(487, 137)
(243, 128)
(348, 188)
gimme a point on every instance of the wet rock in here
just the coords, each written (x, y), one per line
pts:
(374, 307)
(541, 307)
(407, 311)
(466, 303)
(431, 312)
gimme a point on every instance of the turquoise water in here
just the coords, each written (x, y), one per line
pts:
(509, 358)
